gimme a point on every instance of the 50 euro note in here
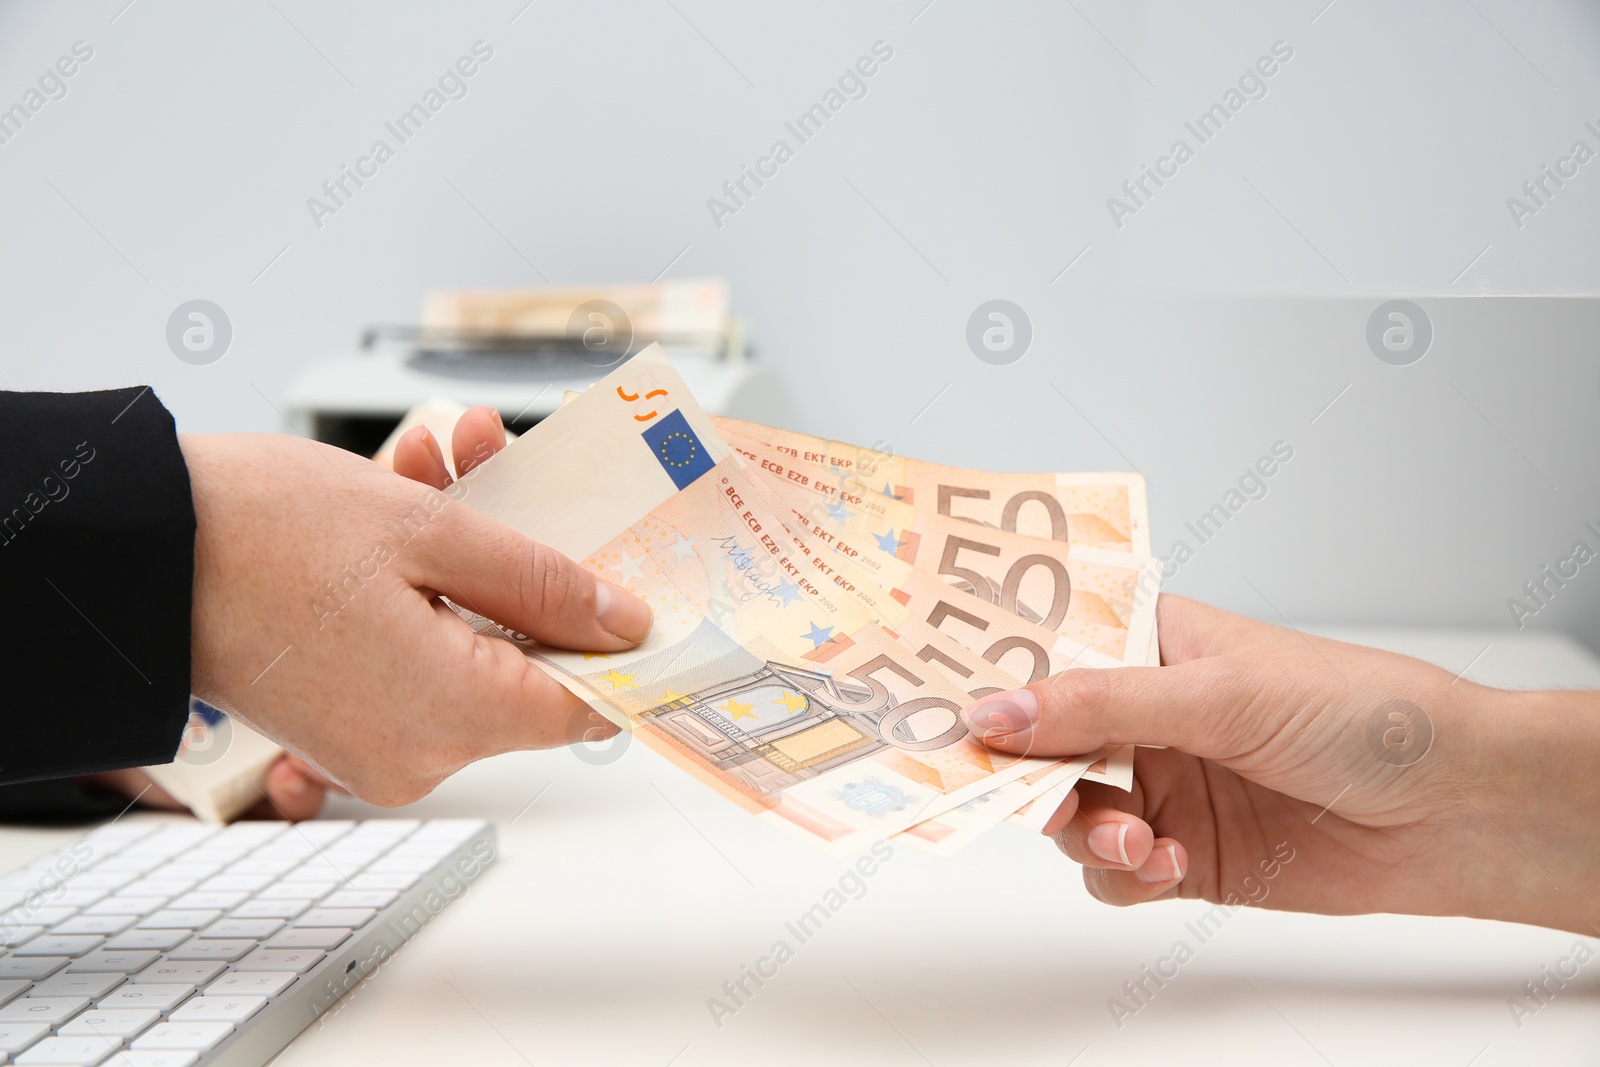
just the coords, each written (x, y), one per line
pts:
(1100, 510)
(854, 520)
(764, 681)
(1091, 597)
(1028, 575)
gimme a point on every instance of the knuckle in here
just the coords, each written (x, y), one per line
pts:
(1083, 694)
(550, 587)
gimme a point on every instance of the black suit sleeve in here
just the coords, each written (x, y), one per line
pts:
(97, 550)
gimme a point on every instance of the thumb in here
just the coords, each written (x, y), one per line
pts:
(528, 587)
(1201, 707)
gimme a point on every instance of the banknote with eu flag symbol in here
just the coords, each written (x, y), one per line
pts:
(678, 449)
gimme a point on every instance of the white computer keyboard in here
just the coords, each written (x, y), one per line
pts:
(165, 944)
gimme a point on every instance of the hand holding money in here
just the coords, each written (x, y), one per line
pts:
(317, 622)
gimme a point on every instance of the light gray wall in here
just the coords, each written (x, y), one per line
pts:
(978, 165)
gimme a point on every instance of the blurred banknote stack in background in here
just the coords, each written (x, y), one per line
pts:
(596, 325)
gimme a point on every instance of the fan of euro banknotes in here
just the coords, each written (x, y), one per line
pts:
(824, 610)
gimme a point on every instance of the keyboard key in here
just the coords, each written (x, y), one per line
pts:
(386, 829)
(86, 1051)
(262, 865)
(159, 887)
(352, 918)
(321, 832)
(198, 948)
(247, 835)
(16, 935)
(200, 1037)
(297, 891)
(322, 870)
(130, 861)
(160, 940)
(63, 945)
(230, 883)
(396, 880)
(103, 879)
(172, 840)
(220, 901)
(226, 1009)
(31, 967)
(193, 972)
(14, 1037)
(52, 1011)
(323, 937)
(91, 984)
(190, 870)
(47, 916)
(126, 905)
(180, 918)
(127, 961)
(255, 929)
(210, 856)
(154, 1058)
(253, 983)
(281, 959)
(11, 988)
(73, 897)
(404, 864)
(359, 898)
(118, 1022)
(158, 995)
(269, 909)
(95, 924)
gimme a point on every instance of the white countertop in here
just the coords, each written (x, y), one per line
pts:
(626, 894)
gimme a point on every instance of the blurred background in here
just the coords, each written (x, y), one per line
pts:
(1425, 151)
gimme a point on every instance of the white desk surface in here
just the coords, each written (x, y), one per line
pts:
(626, 894)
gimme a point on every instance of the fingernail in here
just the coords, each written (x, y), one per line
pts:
(1109, 841)
(1162, 866)
(1003, 714)
(620, 613)
(498, 421)
(431, 443)
(291, 784)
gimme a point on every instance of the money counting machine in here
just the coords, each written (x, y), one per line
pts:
(520, 351)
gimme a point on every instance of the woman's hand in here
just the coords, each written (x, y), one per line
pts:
(1312, 775)
(292, 790)
(317, 617)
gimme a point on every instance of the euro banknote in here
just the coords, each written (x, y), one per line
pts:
(1106, 510)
